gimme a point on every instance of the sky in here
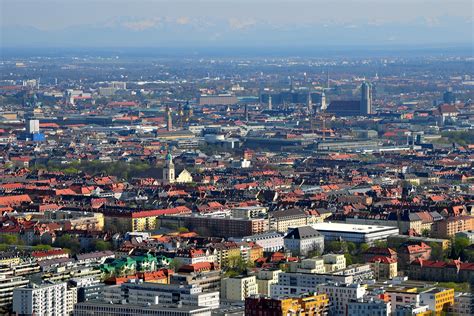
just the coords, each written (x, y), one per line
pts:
(235, 23)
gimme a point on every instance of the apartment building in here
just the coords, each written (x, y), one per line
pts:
(463, 304)
(269, 241)
(106, 309)
(281, 221)
(7, 285)
(156, 293)
(340, 295)
(439, 300)
(265, 278)
(238, 288)
(218, 226)
(368, 308)
(316, 305)
(303, 240)
(325, 264)
(449, 227)
(44, 299)
(291, 284)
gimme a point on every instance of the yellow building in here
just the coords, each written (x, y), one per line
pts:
(9, 260)
(333, 262)
(438, 299)
(384, 267)
(184, 177)
(255, 252)
(227, 253)
(136, 221)
(314, 305)
(280, 221)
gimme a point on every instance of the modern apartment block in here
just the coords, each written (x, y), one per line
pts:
(44, 299)
(7, 285)
(106, 309)
(316, 305)
(238, 288)
(300, 283)
(155, 293)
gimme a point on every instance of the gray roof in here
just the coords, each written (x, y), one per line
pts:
(288, 213)
(303, 233)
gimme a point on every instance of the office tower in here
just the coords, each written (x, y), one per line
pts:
(119, 85)
(449, 97)
(246, 112)
(270, 102)
(309, 103)
(169, 119)
(366, 99)
(32, 126)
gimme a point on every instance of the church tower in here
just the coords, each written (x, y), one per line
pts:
(323, 101)
(168, 170)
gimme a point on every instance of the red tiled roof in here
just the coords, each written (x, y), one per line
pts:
(14, 199)
(47, 253)
(175, 210)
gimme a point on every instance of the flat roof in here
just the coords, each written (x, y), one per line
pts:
(165, 308)
(352, 228)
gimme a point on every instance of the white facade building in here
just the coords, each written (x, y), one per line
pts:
(45, 299)
(340, 295)
(354, 232)
(155, 293)
(368, 308)
(238, 288)
(270, 242)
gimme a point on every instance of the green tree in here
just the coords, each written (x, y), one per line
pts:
(42, 247)
(68, 242)
(437, 252)
(363, 247)
(349, 258)
(460, 243)
(101, 245)
(425, 233)
(351, 247)
(183, 230)
(9, 239)
(336, 246)
(381, 243)
(175, 264)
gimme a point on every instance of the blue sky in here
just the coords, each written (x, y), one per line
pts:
(230, 23)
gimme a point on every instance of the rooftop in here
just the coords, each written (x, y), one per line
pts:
(353, 228)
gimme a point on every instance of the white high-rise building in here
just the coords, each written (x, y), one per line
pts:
(44, 299)
(32, 126)
(366, 98)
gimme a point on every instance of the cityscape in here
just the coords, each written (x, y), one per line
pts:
(149, 169)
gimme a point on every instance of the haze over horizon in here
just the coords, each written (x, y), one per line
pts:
(253, 24)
